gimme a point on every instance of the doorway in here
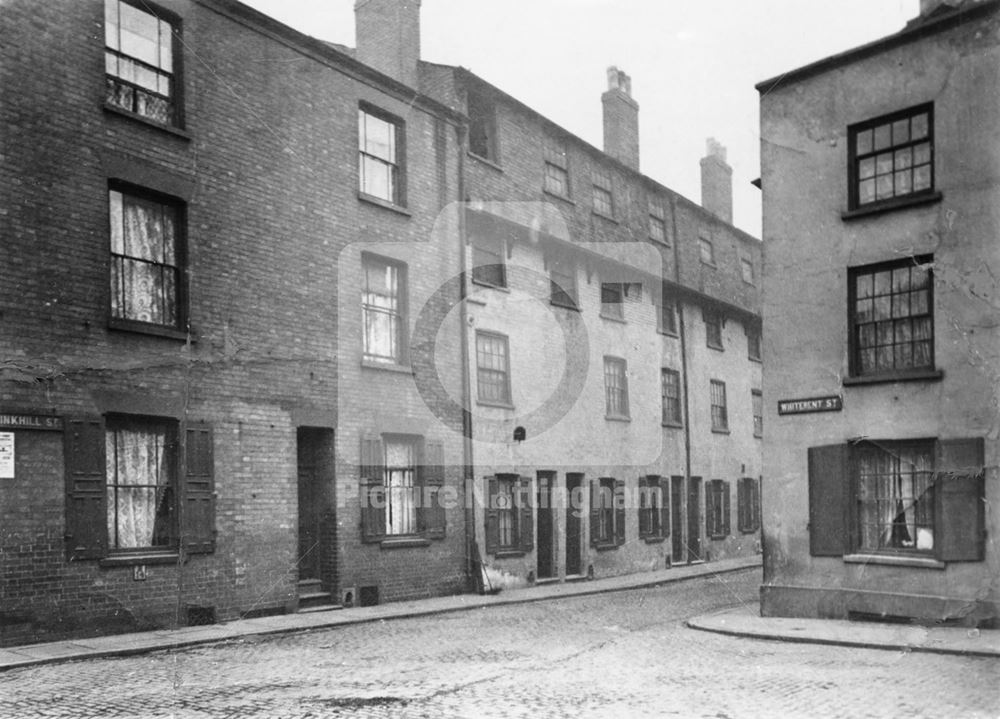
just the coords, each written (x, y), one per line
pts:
(317, 519)
(694, 519)
(574, 524)
(546, 525)
(677, 520)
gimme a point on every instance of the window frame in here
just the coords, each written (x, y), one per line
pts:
(616, 395)
(401, 313)
(557, 266)
(613, 310)
(657, 219)
(719, 412)
(745, 263)
(717, 509)
(521, 515)
(506, 400)
(556, 167)
(855, 158)
(602, 194)
(754, 339)
(757, 410)
(668, 418)
(178, 209)
(482, 112)
(924, 263)
(495, 249)
(706, 258)
(667, 310)
(607, 513)
(714, 322)
(174, 99)
(397, 167)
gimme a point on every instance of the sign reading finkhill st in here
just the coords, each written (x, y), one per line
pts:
(812, 404)
(30, 421)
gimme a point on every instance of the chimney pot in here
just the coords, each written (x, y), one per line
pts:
(621, 119)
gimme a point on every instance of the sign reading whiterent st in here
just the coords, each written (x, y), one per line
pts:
(811, 404)
(30, 421)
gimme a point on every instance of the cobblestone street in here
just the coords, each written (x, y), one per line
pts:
(622, 654)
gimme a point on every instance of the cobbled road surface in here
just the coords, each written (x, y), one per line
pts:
(621, 654)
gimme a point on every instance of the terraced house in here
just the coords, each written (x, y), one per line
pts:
(287, 324)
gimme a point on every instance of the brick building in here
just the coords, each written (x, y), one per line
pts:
(218, 233)
(237, 374)
(881, 180)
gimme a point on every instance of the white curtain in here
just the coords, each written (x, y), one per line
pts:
(138, 496)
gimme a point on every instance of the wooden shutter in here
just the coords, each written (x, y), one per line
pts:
(86, 489)
(198, 506)
(372, 489)
(619, 503)
(710, 530)
(758, 488)
(641, 510)
(829, 493)
(664, 507)
(726, 508)
(595, 511)
(959, 507)
(492, 521)
(525, 517)
(430, 511)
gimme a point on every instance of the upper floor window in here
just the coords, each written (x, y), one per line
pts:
(383, 307)
(604, 202)
(556, 168)
(892, 156)
(746, 269)
(666, 313)
(657, 225)
(706, 251)
(891, 317)
(380, 140)
(562, 281)
(670, 391)
(713, 328)
(720, 411)
(753, 342)
(492, 368)
(613, 300)
(139, 60)
(482, 126)
(616, 387)
(145, 259)
(757, 405)
(488, 266)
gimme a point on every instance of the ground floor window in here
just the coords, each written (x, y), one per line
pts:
(654, 517)
(717, 509)
(748, 505)
(509, 516)
(895, 485)
(607, 512)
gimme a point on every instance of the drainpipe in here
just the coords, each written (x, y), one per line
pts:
(468, 475)
(684, 369)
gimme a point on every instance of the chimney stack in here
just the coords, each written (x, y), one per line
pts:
(717, 182)
(388, 37)
(621, 119)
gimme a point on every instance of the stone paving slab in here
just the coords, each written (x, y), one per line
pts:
(121, 644)
(746, 622)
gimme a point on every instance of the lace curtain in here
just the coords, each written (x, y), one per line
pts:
(139, 497)
(896, 489)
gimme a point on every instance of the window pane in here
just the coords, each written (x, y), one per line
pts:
(882, 137)
(866, 191)
(904, 158)
(883, 163)
(864, 142)
(866, 168)
(922, 153)
(140, 34)
(919, 126)
(901, 131)
(166, 47)
(379, 138)
(140, 502)
(903, 182)
(922, 178)
(901, 305)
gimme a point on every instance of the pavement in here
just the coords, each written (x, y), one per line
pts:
(742, 621)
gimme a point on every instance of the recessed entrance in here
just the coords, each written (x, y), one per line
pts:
(694, 519)
(546, 525)
(317, 520)
(574, 524)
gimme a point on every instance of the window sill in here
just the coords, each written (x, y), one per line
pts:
(661, 243)
(404, 542)
(758, 360)
(750, 531)
(717, 348)
(563, 198)
(716, 430)
(710, 264)
(508, 553)
(612, 318)
(143, 328)
(758, 436)
(169, 129)
(924, 375)
(132, 560)
(672, 425)
(473, 299)
(606, 546)
(387, 367)
(484, 160)
(490, 286)
(384, 204)
(718, 537)
(498, 405)
(895, 560)
(617, 418)
(896, 203)
(654, 540)
(665, 333)
(606, 218)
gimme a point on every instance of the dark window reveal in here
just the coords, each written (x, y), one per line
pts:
(892, 156)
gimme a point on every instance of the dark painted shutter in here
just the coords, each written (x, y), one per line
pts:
(492, 521)
(959, 517)
(619, 500)
(642, 513)
(526, 519)
(758, 488)
(595, 511)
(372, 489)
(829, 491)
(86, 491)
(726, 509)
(198, 508)
(664, 507)
(430, 512)
(710, 530)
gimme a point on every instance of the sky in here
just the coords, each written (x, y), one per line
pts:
(693, 64)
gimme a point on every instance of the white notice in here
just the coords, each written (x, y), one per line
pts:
(6, 455)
